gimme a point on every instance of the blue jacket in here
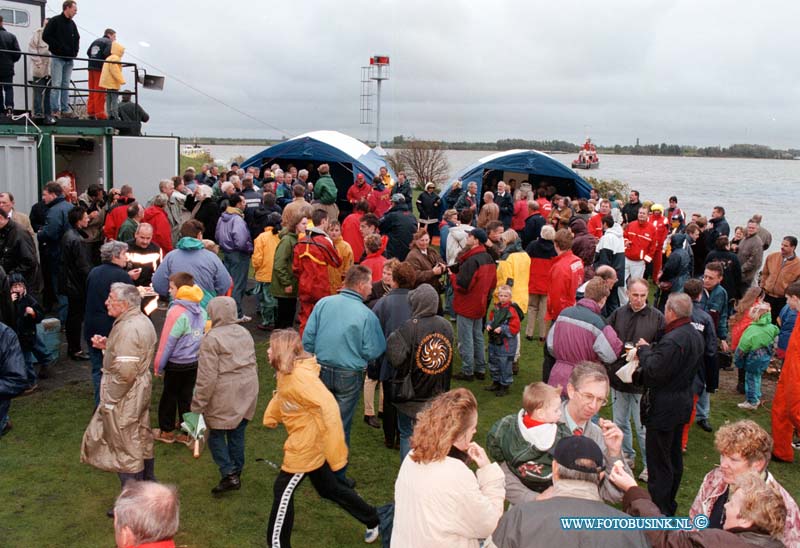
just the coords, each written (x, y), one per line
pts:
(55, 225)
(13, 375)
(343, 332)
(788, 318)
(190, 256)
(716, 304)
(98, 285)
(232, 233)
(392, 310)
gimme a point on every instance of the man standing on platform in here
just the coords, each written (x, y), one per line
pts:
(61, 34)
(97, 53)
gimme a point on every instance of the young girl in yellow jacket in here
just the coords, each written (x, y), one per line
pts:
(315, 445)
(111, 78)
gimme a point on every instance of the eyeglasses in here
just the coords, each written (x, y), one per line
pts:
(591, 398)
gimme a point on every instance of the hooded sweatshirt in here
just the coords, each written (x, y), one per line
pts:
(423, 348)
(191, 256)
(183, 329)
(111, 76)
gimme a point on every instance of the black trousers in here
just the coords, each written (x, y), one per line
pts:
(391, 434)
(177, 395)
(281, 518)
(665, 467)
(75, 313)
(286, 310)
(777, 303)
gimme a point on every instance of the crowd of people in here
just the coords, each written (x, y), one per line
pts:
(376, 298)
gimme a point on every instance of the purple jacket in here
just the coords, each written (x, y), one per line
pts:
(232, 233)
(580, 334)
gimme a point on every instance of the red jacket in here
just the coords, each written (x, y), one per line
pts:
(380, 201)
(357, 193)
(640, 241)
(566, 275)
(162, 231)
(520, 214)
(351, 233)
(595, 226)
(375, 261)
(545, 207)
(312, 256)
(114, 221)
(475, 281)
(661, 226)
(543, 255)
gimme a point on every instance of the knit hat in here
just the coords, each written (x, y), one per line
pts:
(657, 207)
(480, 235)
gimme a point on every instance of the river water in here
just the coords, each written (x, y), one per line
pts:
(742, 186)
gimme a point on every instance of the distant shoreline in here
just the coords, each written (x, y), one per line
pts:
(780, 154)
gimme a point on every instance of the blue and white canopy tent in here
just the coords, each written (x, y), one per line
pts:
(531, 165)
(346, 156)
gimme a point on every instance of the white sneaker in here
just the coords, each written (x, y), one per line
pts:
(644, 476)
(749, 406)
(371, 535)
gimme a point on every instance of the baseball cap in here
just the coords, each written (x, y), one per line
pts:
(574, 448)
(480, 235)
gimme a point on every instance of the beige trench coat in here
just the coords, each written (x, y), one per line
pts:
(118, 437)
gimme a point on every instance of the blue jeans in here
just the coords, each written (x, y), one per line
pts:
(238, 265)
(470, 345)
(500, 365)
(41, 97)
(625, 406)
(346, 386)
(112, 104)
(752, 387)
(405, 425)
(448, 298)
(227, 449)
(96, 359)
(61, 74)
(703, 406)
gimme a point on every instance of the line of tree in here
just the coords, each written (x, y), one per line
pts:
(663, 149)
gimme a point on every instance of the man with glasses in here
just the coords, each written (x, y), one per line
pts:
(588, 393)
(634, 321)
(667, 369)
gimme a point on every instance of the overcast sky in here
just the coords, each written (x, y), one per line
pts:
(684, 71)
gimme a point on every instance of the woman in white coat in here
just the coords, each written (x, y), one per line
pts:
(439, 501)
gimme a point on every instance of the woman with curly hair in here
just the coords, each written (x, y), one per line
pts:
(743, 447)
(438, 499)
(315, 445)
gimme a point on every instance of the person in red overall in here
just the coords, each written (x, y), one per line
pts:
(662, 227)
(566, 274)
(313, 254)
(786, 403)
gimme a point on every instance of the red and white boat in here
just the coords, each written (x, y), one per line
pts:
(587, 157)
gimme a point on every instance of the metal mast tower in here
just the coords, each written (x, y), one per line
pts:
(377, 71)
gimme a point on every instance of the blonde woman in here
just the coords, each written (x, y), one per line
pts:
(439, 501)
(315, 445)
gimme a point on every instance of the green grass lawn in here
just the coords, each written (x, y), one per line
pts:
(50, 499)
